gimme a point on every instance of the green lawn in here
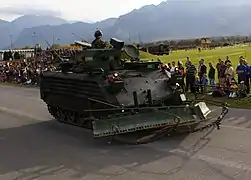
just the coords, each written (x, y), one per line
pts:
(244, 103)
(211, 56)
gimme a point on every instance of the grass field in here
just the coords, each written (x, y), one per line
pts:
(233, 52)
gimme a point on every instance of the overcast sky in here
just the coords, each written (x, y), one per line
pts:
(81, 10)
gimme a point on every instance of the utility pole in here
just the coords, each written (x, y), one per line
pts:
(140, 42)
(34, 39)
(53, 39)
(11, 42)
(129, 38)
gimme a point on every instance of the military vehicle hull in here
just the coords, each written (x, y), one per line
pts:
(159, 50)
(139, 103)
(101, 91)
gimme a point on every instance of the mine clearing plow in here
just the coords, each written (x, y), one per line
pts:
(152, 123)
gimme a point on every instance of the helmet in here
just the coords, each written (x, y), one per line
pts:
(98, 33)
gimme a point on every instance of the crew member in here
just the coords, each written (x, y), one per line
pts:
(98, 43)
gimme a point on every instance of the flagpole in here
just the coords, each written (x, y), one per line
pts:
(33, 37)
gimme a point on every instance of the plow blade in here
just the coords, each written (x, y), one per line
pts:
(143, 121)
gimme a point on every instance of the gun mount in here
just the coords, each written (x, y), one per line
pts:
(108, 59)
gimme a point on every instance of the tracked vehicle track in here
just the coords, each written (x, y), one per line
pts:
(70, 117)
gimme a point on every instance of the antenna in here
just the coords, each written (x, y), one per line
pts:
(74, 34)
(140, 42)
(11, 45)
(51, 47)
(53, 50)
(129, 38)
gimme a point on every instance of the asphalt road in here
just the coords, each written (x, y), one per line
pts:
(34, 146)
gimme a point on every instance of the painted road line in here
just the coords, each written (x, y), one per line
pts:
(214, 161)
(20, 113)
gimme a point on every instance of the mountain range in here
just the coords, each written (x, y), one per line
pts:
(168, 20)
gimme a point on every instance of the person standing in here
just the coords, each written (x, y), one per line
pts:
(190, 76)
(173, 67)
(241, 71)
(182, 72)
(211, 76)
(187, 61)
(218, 65)
(229, 73)
(227, 60)
(202, 70)
(247, 78)
(221, 73)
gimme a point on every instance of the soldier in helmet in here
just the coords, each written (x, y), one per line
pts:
(98, 43)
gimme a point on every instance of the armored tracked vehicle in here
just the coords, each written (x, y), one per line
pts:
(111, 92)
(157, 49)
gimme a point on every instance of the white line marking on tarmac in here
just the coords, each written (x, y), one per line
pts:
(37, 98)
(216, 161)
(20, 113)
(237, 128)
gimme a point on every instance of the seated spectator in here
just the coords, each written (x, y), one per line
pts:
(219, 92)
(226, 87)
(197, 84)
(242, 90)
(233, 89)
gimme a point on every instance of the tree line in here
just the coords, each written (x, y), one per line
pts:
(196, 42)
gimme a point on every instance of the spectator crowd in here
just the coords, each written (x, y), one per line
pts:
(26, 71)
(232, 82)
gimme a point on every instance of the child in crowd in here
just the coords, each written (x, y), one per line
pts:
(197, 84)
(242, 90)
(233, 89)
(204, 82)
(219, 91)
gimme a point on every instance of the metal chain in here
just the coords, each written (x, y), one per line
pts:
(216, 123)
(165, 131)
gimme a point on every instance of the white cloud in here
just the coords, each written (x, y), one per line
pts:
(72, 9)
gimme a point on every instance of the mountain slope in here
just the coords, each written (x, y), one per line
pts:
(29, 21)
(182, 20)
(3, 23)
(61, 34)
(168, 20)
(11, 30)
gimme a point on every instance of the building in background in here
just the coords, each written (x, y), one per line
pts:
(25, 53)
